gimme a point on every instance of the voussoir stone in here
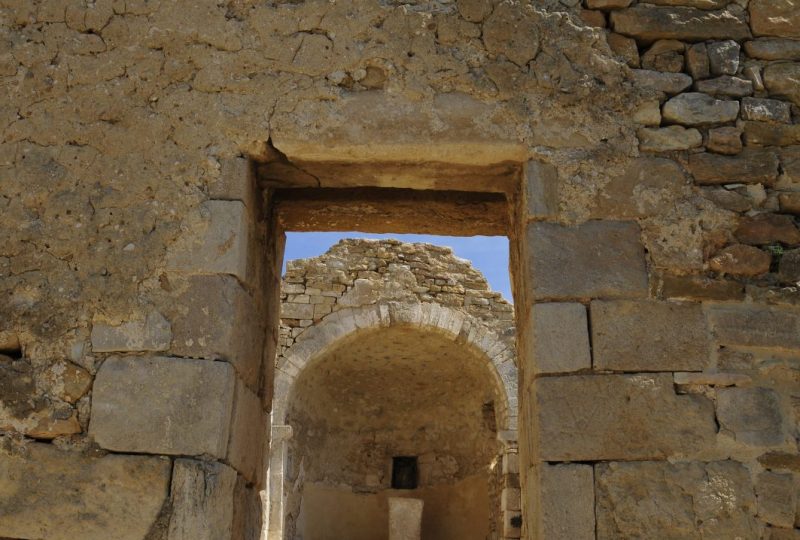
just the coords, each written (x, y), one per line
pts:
(751, 166)
(650, 23)
(698, 109)
(595, 259)
(649, 336)
(49, 493)
(773, 49)
(675, 500)
(783, 80)
(163, 405)
(775, 17)
(607, 417)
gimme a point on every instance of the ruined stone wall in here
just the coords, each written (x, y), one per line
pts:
(132, 228)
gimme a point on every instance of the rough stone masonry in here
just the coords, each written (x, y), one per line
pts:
(650, 154)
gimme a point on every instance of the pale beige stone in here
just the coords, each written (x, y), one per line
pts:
(697, 109)
(248, 434)
(541, 189)
(775, 18)
(153, 333)
(669, 139)
(405, 518)
(563, 498)
(202, 496)
(773, 49)
(751, 415)
(669, 83)
(649, 23)
(783, 80)
(766, 110)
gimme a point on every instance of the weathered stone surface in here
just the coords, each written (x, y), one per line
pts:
(297, 311)
(767, 134)
(624, 47)
(741, 260)
(649, 23)
(669, 83)
(698, 288)
(756, 326)
(474, 10)
(750, 415)
(725, 140)
(697, 63)
(710, 379)
(728, 199)
(648, 113)
(593, 18)
(664, 55)
(790, 202)
(649, 336)
(405, 518)
(700, 4)
(681, 500)
(725, 85)
(783, 80)
(752, 166)
(752, 72)
(645, 184)
(541, 189)
(559, 338)
(777, 498)
(668, 139)
(591, 260)
(214, 317)
(48, 493)
(153, 333)
(513, 33)
(789, 266)
(767, 229)
(563, 497)
(723, 57)
(163, 406)
(775, 18)
(215, 241)
(773, 49)
(780, 461)
(248, 433)
(776, 533)
(696, 109)
(766, 110)
(607, 417)
(608, 4)
(202, 495)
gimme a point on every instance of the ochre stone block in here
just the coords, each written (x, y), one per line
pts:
(775, 18)
(159, 405)
(49, 493)
(596, 259)
(608, 417)
(752, 166)
(649, 336)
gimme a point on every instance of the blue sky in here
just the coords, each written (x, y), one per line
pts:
(489, 254)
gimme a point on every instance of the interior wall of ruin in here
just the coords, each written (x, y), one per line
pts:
(656, 236)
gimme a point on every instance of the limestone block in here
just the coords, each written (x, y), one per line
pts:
(789, 266)
(48, 493)
(725, 140)
(751, 415)
(624, 47)
(202, 495)
(596, 259)
(154, 333)
(741, 260)
(214, 317)
(697, 63)
(216, 242)
(562, 498)
(756, 326)
(701, 4)
(541, 189)
(767, 134)
(766, 110)
(405, 518)
(698, 288)
(725, 86)
(669, 83)
(644, 187)
(752, 166)
(775, 18)
(607, 417)
(513, 33)
(296, 311)
(248, 435)
(777, 498)
(559, 338)
(649, 336)
(783, 80)
(649, 23)
(682, 500)
(668, 139)
(163, 406)
(697, 109)
(773, 49)
(723, 57)
(608, 4)
(234, 182)
(767, 229)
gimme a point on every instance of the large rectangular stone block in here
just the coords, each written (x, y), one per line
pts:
(202, 501)
(162, 405)
(561, 502)
(756, 326)
(595, 259)
(249, 429)
(215, 317)
(150, 333)
(649, 336)
(558, 338)
(608, 417)
(649, 23)
(49, 493)
(541, 190)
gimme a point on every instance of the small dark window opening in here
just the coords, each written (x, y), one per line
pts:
(404, 472)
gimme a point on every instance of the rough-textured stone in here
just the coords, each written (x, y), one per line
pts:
(607, 417)
(591, 260)
(49, 493)
(664, 55)
(723, 57)
(790, 202)
(766, 110)
(749, 167)
(768, 134)
(624, 47)
(777, 498)
(741, 260)
(649, 23)
(725, 85)
(153, 333)
(756, 326)
(728, 199)
(780, 461)
(248, 432)
(789, 266)
(681, 500)
(608, 4)
(710, 379)
(696, 109)
(648, 113)
(775, 18)
(541, 189)
(773, 49)
(513, 33)
(563, 495)
(669, 83)
(701, 4)
(405, 518)
(668, 139)
(163, 406)
(767, 229)
(644, 185)
(750, 415)
(202, 500)
(559, 338)
(783, 80)
(697, 63)
(593, 18)
(698, 288)
(649, 336)
(725, 140)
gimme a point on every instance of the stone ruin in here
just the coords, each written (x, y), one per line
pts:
(643, 159)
